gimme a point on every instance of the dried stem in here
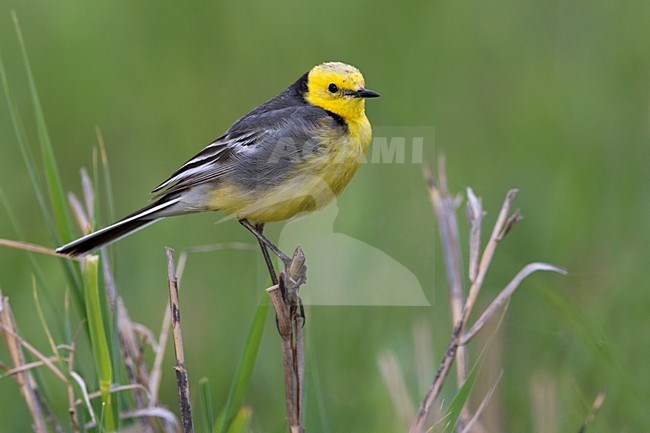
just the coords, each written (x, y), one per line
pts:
(156, 370)
(134, 364)
(445, 208)
(488, 253)
(477, 272)
(290, 319)
(505, 294)
(11, 331)
(26, 246)
(475, 214)
(24, 378)
(438, 380)
(281, 311)
(181, 371)
(26, 367)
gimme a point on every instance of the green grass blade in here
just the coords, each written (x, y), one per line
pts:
(206, 405)
(71, 271)
(244, 370)
(241, 421)
(106, 171)
(457, 404)
(46, 328)
(25, 148)
(52, 177)
(460, 399)
(20, 234)
(38, 271)
(108, 190)
(98, 340)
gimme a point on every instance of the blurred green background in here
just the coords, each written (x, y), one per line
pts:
(549, 97)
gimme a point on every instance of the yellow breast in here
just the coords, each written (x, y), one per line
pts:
(316, 180)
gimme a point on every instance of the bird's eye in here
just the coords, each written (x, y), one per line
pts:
(332, 88)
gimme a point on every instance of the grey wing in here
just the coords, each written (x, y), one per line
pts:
(265, 141)
(211, 162)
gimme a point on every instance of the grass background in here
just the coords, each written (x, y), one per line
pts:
(548, 97)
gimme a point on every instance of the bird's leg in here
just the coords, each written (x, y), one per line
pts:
(269, 264)
(267, 258)
(267, 243)
(296, 280)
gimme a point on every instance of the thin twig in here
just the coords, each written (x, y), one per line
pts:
(26, 246)
(26, 367)
(181, 371)
(24, 379)
(505, 294)
(113, 389)
(34, 351)
(488, 253)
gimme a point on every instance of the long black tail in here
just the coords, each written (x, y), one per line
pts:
(124, 227)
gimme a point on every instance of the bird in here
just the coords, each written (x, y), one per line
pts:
(289, 156)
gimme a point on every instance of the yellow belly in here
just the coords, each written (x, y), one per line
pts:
(314, 182)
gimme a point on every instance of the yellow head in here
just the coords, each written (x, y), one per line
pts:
(338, 88)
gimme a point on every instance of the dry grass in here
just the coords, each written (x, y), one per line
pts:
(462, 302)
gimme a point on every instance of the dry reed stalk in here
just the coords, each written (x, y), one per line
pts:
(23, 378)
(181, 371)
(446, 214)
(156, 370)
(33, 248)
(290, 320)
(445, 208)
